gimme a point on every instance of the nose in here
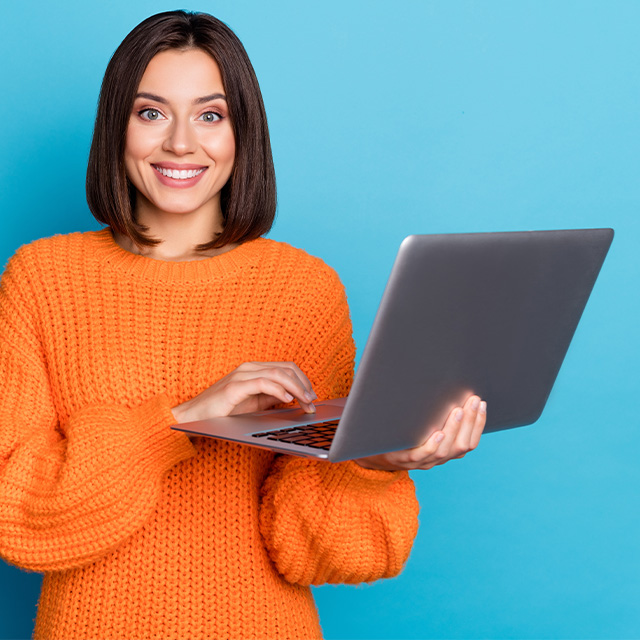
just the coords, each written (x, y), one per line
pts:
(181, 138)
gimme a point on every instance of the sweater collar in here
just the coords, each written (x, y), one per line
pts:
(107, 250)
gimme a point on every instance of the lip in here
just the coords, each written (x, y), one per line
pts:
(178, 166)
(176, 183)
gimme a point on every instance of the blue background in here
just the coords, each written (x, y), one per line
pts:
(387, 120)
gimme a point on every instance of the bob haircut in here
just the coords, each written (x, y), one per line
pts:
(248, 199)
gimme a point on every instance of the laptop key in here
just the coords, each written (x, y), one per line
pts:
(320, 445)
(317, 435)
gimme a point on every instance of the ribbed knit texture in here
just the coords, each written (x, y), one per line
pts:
(142, 532)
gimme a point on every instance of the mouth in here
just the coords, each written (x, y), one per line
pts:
(178, 174)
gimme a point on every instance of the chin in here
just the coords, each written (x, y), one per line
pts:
(178, 208)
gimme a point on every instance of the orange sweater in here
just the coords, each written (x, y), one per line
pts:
(140, 531)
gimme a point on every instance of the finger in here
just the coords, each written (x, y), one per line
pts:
(303, 378)
(463, 438)
(450, 430)
(296, 374)
(418, 457)
(478, 429)
(455, 436)
(284, 376)
(471, 427)
(240, 391)
(292, 369)
(289, 376)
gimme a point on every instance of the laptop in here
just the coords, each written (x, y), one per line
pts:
(490, 314)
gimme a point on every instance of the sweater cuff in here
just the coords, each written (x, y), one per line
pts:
(168, 446)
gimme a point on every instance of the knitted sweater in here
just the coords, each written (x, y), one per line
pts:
(142, 532)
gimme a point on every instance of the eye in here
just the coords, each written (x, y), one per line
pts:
(210, 116)
(150, 114)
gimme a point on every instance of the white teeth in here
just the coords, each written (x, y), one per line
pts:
(179, 174)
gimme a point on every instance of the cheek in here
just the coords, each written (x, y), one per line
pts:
(139, 144)
(132, 151)
(221, 148)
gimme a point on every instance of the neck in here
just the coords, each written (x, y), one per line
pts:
(179, 235)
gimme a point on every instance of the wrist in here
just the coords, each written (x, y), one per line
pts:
(376, 463)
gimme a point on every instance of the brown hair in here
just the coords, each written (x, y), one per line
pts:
(248, 199)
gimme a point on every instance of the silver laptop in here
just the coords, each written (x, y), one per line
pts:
(485, 313)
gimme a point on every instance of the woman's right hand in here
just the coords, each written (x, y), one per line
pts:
(253, 386)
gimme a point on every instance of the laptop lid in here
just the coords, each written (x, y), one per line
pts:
(485, 313)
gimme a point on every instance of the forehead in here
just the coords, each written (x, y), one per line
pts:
(188, 73)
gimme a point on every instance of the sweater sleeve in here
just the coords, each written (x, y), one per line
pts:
(335, 523)
(70, 492)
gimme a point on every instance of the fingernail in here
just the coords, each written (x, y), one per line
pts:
(483, 407)
(475, 403)
(439, 437)
(288, 397)
(312, 408)
(459, 414)
(307, 396)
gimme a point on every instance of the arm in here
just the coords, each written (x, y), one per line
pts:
(325, 522)
(72, 492)
(336, 523)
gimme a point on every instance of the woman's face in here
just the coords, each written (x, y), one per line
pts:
(180, 147)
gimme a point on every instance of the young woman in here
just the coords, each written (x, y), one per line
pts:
(179, 309)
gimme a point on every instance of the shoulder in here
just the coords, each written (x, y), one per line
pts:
(46, 250)
(44, 258)
(31, 279)
(307, 296)
(296, 265)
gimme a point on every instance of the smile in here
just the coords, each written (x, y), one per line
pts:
(179, 174)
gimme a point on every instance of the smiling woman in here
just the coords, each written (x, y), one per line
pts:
(178, 310)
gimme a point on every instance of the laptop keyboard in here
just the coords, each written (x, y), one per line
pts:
(317, 435)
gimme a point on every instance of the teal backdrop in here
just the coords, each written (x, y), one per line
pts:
(415, 117)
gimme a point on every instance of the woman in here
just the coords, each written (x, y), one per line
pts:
(179, 310)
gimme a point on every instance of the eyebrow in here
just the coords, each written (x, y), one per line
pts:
(202, 100)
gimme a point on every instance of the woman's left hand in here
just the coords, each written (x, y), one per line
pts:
(460, 434)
